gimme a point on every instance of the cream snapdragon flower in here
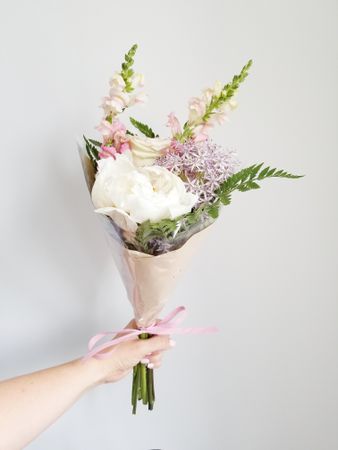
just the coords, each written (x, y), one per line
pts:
(118, 99)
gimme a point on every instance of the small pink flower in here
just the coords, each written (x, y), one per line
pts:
(115, 138)
(200, 137)
(135, 99)
(108, 129)
(201, 132)
(125, 146)
(107, 152)
(121, 142)
(197, 108)
(219, 117)
(174, 124)
(137, 80)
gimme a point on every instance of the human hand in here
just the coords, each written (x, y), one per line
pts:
(129, 353)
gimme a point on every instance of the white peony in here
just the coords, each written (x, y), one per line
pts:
(132, 195)
(146, 150)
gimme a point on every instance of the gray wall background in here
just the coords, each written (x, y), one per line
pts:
(266, 276)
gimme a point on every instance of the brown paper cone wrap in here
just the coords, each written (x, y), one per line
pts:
(148, 279)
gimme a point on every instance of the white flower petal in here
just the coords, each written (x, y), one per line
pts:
(121, 218)
(146, 150)
(141, 193)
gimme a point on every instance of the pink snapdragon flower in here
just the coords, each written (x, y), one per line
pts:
(174, 124)
(201, 132)
(107, 152)
(119, 99)
(115, 138)
(197, 107)
(114, 104)
(135, 99)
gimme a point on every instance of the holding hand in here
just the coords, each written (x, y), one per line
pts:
(127, 354)
(30, 403)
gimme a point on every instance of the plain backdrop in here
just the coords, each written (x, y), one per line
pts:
(266, 275)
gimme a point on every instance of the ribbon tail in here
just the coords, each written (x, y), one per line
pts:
(95, 350)
(166, 326)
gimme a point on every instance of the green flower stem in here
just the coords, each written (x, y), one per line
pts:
(144, 389)
(139, 393)
(143, 383)
(152, 385)
(150, 382)
(134, 388)
(143, 374)
(136, 383)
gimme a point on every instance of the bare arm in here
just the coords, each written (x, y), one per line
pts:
(30, 403)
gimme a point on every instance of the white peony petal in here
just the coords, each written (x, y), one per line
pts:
(131, 194)
(121, 218)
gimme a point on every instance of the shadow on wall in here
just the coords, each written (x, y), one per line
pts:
(66, 258)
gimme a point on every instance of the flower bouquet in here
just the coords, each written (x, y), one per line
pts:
(155, 196)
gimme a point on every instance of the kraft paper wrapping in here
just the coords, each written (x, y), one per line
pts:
(148, 279)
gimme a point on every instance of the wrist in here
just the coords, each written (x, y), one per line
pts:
(91, 372)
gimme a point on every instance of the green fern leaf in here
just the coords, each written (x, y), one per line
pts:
(246, 180)
(92, 151)
(96, 143)
(143, 128)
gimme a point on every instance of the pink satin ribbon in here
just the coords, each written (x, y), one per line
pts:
(166, 326)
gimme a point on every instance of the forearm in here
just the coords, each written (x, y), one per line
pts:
(30, 403)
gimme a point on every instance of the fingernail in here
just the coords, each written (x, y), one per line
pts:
(150, 366)
(172, 343)
(145, 361)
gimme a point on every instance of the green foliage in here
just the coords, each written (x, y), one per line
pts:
(127, 71)
(96, 143)
(92, 151)
(247, 179)
(213, 209)
(163, 229)
(169, 229)
(143, 128)
(188, 131)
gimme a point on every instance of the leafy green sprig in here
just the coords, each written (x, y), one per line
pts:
(187, 133)
(96, 143)
(248, 179)
(127, 71)
(143, 128)
(169, 229)
(92, 151)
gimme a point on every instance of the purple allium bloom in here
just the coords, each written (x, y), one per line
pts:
(203, 166)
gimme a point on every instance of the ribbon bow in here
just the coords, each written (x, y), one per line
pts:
(166, 326)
